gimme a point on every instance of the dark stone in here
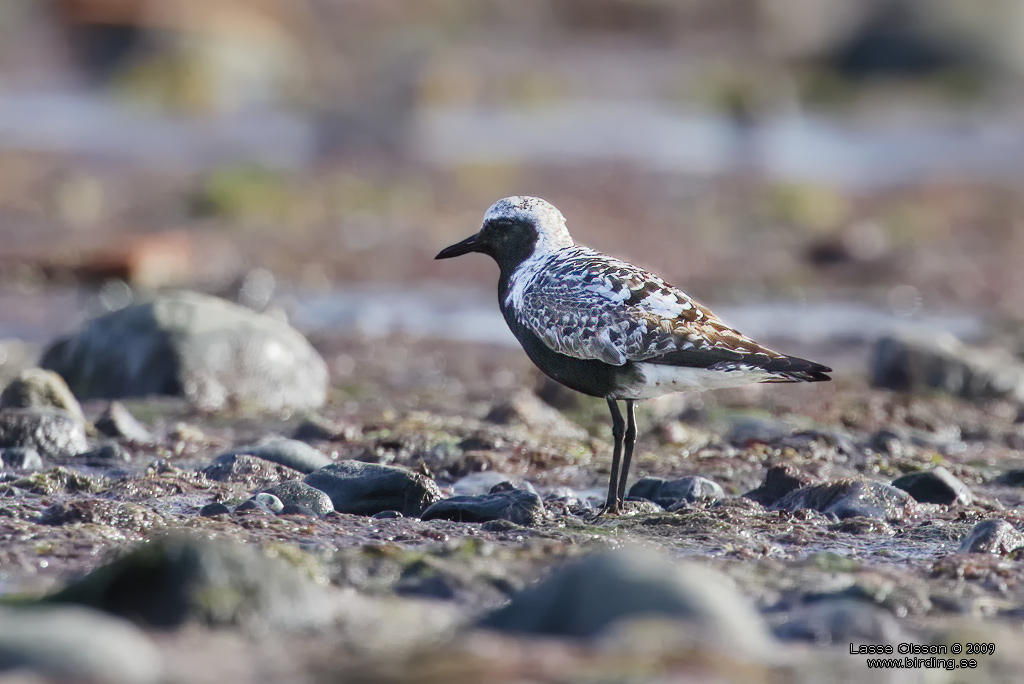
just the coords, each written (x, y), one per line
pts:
(21, 458)
(779, 481)
(216, 354)
(254, 472)
(214, 509)
(54, 433)
(387, 515)
(840, 621)
(851, 497)
(368, 488)
(482, 483)
(38, 388)
(887, 442)
(520, 507)
(107, 455)
(287, 452)
(122, 515)
(71, 644)
(118, 422)
(1014, 477)
(992, 536)
(668, 493)
(910, 362)
(168, 583)
(319, 429)
(298, 493)
(268, 503)
(585, 598)
(937, 485)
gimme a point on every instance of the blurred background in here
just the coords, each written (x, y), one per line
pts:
(816, 169)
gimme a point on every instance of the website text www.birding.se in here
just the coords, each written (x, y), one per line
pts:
(923, 656)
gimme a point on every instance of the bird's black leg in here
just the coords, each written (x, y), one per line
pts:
(618, 430)
(627, 454)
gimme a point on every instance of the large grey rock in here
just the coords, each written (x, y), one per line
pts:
(218, 583)
(40, 388)
(299, 493)
(909, 362)
(54, 433)
(685, 490)
(585, 598)
(851, 497)
(936, 485)
(369, 488)
(69, 644)
(214, 353)
(287, 452)
(515, 505)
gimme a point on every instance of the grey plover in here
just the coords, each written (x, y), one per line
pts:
(610, 329)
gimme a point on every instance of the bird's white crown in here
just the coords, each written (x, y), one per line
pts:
(549, 223)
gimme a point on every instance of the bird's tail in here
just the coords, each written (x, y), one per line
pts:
(794, 369)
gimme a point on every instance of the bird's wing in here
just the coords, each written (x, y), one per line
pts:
(591, 306)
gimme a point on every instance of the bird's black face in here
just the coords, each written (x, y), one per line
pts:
(509, 241)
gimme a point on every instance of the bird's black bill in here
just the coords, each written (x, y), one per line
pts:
(470, 244)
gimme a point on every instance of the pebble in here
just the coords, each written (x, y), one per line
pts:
(669, 493)
(992, 536)
(39, 388)
(316, 428)
(107, 455)
(268, 503)
(779, 481)
(851, 497)
(518, 506)
(72, 644)
(298, 493)
(526, 408)
(214, 509)
(367, 488)
(287, 452)
(118, 422)
(586, 597)
(21, 458)
(216, 354)
(53, 433)
(937, 485)
(249, 470)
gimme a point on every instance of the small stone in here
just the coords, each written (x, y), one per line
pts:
(888, 443)
(1014, 477)
(54, 433)
(21, 458)
(779, 481)
(118, 422)
(39, 388)
(851, 497)
(216, 508)
(587, 597)
(70, 644)
(316, 428)
(840, 621)
(475, 484)
(287, 452)
(669, 493)
(937, 485)
(992, 536)
(368, 488)
(748, 430)
(520, 507)
(297, 492)
(387, 515)
(501, 525)
(253, 472)
(526, 408)
(268, 503)
(107, 455)
(216, 583)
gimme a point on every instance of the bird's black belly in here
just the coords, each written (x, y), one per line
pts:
(589, 376)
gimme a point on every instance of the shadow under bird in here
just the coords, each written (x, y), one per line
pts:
(610, 329)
